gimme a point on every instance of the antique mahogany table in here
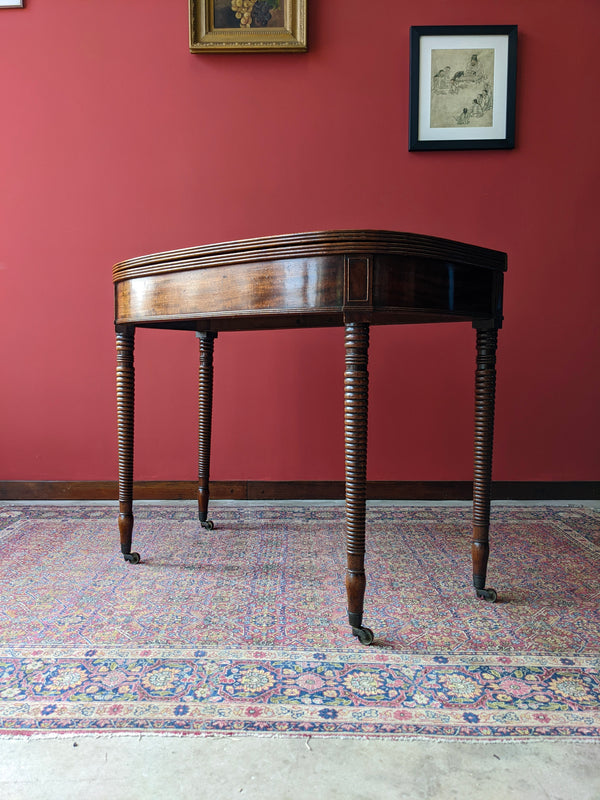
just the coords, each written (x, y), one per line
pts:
(353, 278)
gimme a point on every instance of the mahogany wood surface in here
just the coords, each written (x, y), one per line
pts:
(353, 279)
(313, 279)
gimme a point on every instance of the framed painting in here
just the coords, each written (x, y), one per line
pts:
(224, 26)
(462, 87)
(11, 3)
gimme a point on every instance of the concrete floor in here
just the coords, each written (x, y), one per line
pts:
(265, 768)
(219, 768)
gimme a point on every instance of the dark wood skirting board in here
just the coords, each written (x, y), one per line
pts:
(298, 490)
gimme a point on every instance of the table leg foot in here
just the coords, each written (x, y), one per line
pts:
(487, 594)
(125, 531)
(203, 497)
(363, 634)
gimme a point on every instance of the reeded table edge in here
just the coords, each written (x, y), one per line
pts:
(306, 245)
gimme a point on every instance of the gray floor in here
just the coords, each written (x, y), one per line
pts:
(266, 768)
(219, 768)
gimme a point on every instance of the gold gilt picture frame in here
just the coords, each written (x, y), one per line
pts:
(225, 26)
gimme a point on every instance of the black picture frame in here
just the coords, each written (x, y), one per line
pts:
(462, 87)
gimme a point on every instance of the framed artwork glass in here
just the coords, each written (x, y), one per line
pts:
(224, 26)
(462, 87)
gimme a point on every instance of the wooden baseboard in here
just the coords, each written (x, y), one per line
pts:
(298, 490)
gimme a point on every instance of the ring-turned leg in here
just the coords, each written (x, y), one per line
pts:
(356, 391)
(125, 397)
(205, 394)
(485, 390)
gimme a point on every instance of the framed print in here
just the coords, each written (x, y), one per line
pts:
(11, 3)
(462, 87)
(224, 26)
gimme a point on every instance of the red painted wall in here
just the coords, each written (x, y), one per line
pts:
(115, 141)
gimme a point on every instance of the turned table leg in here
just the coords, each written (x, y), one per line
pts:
(485, 390)
(125, 396)
(205, 393)
(356, 389)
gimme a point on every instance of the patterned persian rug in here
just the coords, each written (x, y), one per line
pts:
(243, 629)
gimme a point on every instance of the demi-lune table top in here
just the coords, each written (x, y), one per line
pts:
(311, 279)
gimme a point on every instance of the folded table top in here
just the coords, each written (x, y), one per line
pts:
(313, 279)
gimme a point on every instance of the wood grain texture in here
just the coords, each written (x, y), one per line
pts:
(311, 279)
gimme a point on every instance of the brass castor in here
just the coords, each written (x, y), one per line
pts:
(133, 558)
(208, 524)
(364, 635)
(490, 595)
